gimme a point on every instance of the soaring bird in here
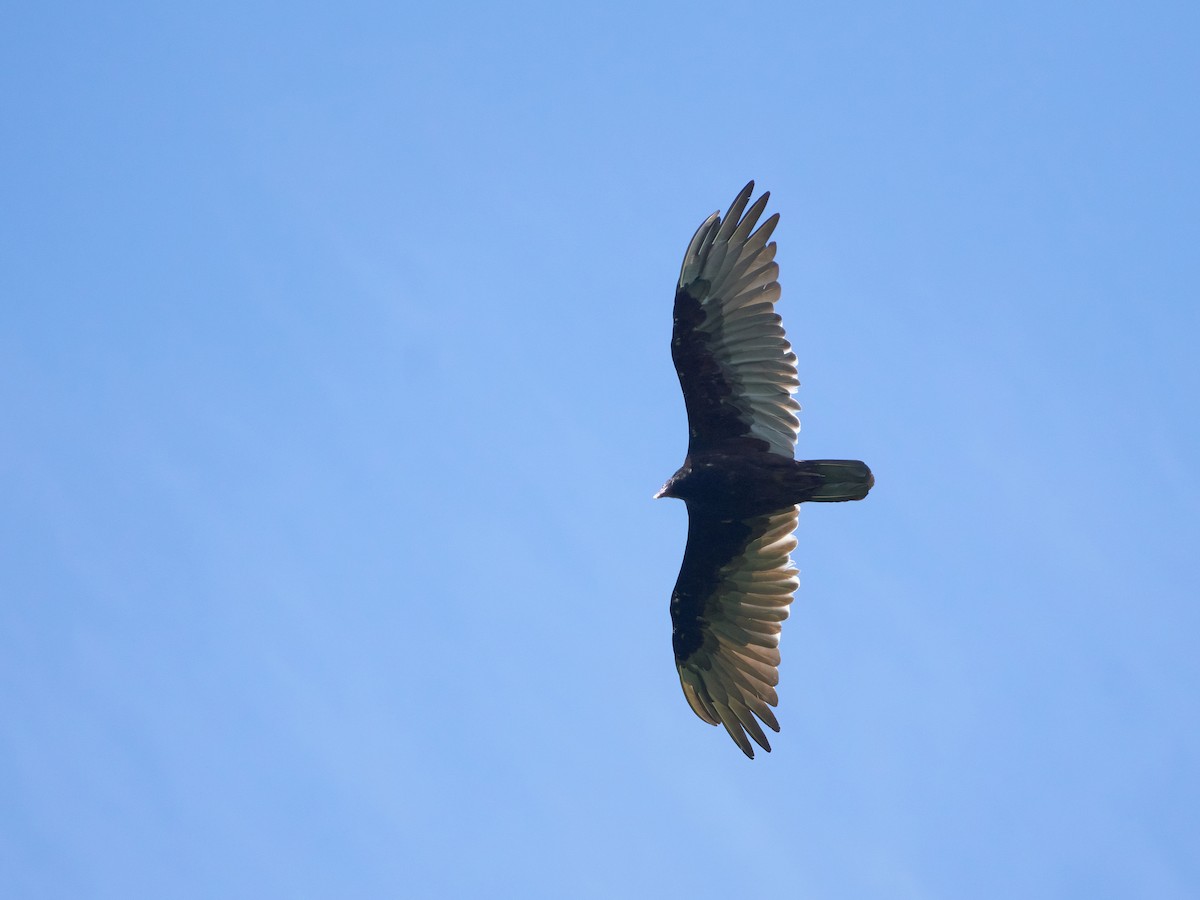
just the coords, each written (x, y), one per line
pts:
(740, 480)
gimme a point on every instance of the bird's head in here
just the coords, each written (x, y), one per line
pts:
(674, 484)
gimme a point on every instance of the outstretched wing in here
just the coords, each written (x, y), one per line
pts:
(735, 366)
(733, 593)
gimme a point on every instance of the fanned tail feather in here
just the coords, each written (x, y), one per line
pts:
(842, 479)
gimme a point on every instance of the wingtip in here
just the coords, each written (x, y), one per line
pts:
(748, 191)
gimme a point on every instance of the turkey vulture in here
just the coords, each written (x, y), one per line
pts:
(740, 480)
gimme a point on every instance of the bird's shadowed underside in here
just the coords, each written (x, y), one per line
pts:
(740, 481)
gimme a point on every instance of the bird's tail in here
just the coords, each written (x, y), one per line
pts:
(841, 479)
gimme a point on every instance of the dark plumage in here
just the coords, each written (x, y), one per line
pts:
(739, 480)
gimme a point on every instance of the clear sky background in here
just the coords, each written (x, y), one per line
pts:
(335, 385)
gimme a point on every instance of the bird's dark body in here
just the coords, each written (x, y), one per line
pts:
(743, 485)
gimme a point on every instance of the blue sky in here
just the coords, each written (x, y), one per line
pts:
(335, 376)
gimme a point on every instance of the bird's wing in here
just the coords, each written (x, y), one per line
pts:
(732, 595)
(735, 366)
